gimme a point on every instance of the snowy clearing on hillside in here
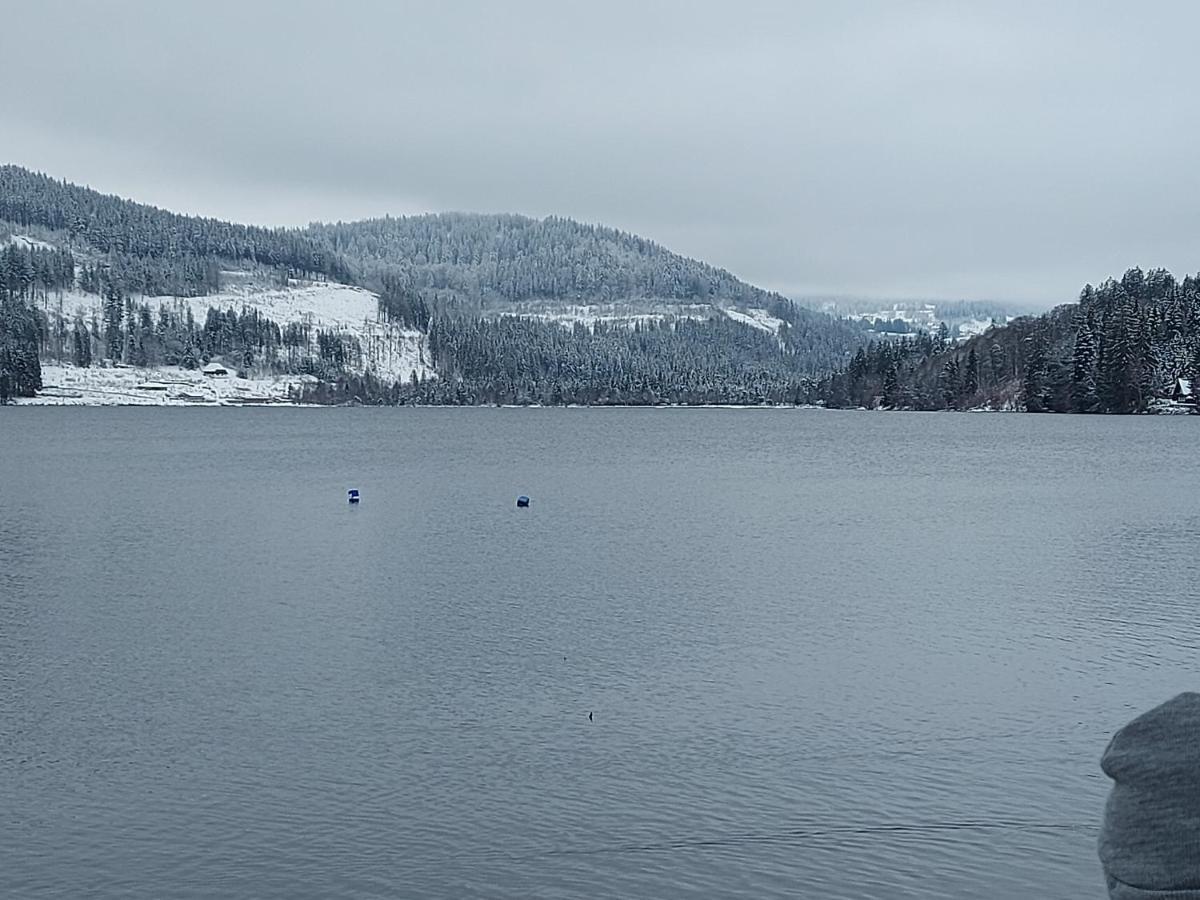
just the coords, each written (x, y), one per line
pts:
(893, 335)
(333, 306)
(615, 314)
(27, 243)
(389, 352)
(161, 386)
(756, 318)
(627, 315)
(974, 327)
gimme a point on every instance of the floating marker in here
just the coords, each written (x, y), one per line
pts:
(352, 495)
(522, 502)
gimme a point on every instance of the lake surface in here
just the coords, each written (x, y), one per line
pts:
(842, 655)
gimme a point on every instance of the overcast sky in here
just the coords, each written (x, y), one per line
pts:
(983, 150)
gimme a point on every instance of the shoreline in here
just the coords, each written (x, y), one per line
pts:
(125, 402)
(56, 403)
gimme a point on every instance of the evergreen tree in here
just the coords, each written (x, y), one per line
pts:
(943, 336)
(1033, 385)
(1083, 372)
(113, 337)
(996, 357)
(81, 344)
(971, 374)
(891, 387)
(949, 383)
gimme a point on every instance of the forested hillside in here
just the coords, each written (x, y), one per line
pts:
(145, 250)
(471, 265)
(479, 259)
(508, 309)
(1121, 349)
(520, 361)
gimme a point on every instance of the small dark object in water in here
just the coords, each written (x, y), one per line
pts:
(352, 495)
(589, 717)
(522, 502)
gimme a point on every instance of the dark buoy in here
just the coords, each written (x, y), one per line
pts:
(352, 495)
(589, 717)
(522, 502)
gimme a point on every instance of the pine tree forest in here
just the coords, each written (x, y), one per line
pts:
(1125, 347)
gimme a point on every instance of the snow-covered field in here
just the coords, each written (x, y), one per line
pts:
(616, 314)
(756, 318)
(161, 386)
(327, 305)
(27, 243)
(390, 352)
(626, 315)
(972, 327)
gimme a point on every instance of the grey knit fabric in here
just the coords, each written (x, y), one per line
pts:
(1150, 842)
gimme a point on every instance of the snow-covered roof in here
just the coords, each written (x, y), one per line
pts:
(1185, 386)
(215, 369)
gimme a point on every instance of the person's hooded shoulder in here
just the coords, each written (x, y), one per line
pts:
(1150, 842)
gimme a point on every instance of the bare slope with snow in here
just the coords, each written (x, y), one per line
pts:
(756, 318)
(389, 352)
(628, 314)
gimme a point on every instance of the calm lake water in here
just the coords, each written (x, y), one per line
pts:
(842, 655)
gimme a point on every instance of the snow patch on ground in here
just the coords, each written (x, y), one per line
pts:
(894, 335)
(161, 386)
(391, 353)
(27, 243)
(332, 306)
(1167, 407)
(626, 315)
(615, 314)
(973, 327)
(756, 318)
